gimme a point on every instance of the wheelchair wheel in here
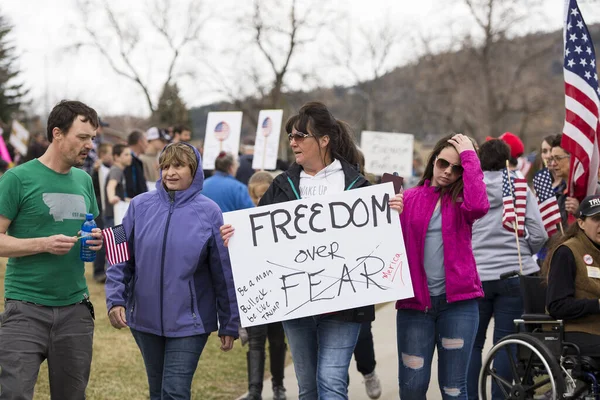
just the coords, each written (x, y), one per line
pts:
(534, 369)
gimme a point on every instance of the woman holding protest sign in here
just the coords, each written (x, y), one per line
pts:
(437, 222)
(177, 282)
(326, 161)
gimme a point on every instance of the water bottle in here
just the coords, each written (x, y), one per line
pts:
(85, 253)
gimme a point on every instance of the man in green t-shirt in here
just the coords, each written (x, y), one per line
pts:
(47, 313)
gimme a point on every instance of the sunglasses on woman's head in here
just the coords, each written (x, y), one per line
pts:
(443, 164)
(298, 135)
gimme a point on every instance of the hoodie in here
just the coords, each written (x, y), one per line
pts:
(495, 247)
(178, 280)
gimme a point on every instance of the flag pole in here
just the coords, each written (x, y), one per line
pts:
(515, 221)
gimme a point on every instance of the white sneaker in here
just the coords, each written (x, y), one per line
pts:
(372, 385)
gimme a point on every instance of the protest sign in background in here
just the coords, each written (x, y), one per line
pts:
(222, 134)
(319, 255)
(19, 137)
(266, 144)
(387, 152)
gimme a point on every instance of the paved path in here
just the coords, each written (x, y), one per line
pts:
(384, 337)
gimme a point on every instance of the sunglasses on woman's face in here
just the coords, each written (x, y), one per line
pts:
(298, 136)
(443, 164)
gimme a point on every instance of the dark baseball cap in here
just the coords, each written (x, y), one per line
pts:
(589, 206)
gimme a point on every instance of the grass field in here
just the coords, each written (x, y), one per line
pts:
(118, 370)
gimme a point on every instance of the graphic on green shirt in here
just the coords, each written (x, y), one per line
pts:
(65, 206)
(40, 203)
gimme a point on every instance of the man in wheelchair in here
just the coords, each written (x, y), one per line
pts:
(558, 355)
(573, 293)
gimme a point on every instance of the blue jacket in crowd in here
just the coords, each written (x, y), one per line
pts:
(229, 193)
(178, 280)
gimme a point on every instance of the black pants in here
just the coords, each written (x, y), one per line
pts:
(589, 345)
(364, 353)
(257, 337)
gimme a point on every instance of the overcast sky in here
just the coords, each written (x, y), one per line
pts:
(45, 32)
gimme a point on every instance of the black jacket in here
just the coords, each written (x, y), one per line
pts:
(135, 182)
(286, 186)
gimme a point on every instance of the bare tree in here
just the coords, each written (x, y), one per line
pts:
(364, 55)
(491, 83)
(119, 41)
(278, 43)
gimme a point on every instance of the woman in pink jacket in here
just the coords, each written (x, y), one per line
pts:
(437, 219)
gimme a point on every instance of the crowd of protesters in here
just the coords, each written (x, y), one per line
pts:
(71, 171)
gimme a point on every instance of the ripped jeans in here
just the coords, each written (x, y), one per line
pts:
(450, 327)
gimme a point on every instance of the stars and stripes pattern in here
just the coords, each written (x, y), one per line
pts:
(542, 183)
(514, 198)
(115, 242)
(508, 212)
(222, 131)
(520, 192)
(581, 103)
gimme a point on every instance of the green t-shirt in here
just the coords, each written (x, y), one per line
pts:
(41, 202)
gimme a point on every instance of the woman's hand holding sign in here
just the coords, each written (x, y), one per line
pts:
(397, 202)
(226, 233)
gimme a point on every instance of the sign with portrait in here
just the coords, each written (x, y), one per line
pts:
(266, 144)
(222, 134)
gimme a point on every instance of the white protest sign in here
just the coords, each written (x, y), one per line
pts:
(319, 255)
(387, 152)
(266, 144)
(222, 134)
(19, 137)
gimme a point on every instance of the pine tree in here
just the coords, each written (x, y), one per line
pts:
(171, 109)
(12, 93)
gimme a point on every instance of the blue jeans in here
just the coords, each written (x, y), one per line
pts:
(449, 326)
(321, 350)
(503, 301)
(170, 363)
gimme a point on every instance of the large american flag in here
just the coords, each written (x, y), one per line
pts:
(580, 133)
(514, 198)
(542, 183)
(115, 242)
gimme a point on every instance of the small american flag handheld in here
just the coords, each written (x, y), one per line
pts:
(542, 183)
(508, 212)
(115, 242)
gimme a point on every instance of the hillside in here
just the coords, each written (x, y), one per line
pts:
(511, 85)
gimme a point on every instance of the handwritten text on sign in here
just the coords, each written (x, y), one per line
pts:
(319, 255)
(387, 152)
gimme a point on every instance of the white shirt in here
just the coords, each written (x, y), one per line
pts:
(328, 180)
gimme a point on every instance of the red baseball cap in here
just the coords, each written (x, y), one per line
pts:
(516, 145)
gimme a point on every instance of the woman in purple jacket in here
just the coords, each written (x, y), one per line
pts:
(437, 219)
(178, 280)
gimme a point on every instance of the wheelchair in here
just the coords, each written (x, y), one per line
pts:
(543, 365)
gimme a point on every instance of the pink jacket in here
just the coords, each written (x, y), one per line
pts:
(462, 280)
